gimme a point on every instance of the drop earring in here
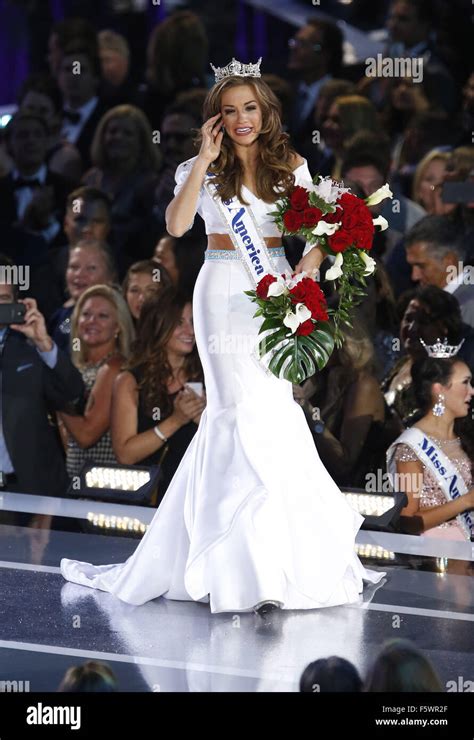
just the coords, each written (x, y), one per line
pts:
(439, 408)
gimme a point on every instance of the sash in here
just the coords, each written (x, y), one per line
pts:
(249, 241)
(447, 476)
(244, 231)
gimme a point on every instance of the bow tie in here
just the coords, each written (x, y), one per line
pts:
(72, 115)
(22, 182)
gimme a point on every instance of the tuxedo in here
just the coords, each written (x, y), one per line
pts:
(80, 132)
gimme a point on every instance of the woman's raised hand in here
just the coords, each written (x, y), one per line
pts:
(212, 135)
(188, 405)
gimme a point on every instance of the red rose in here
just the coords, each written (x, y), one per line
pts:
(333, 218)
(311, 216)
(299, 199)
(356, 221)
(263, 285)
(305, 328)
(293, 220)
(340, 241)
(307, 291)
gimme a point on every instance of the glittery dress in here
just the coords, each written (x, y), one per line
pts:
(431, 492)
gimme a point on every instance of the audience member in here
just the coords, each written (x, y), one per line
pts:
(90, 263)
(330, 675)
(142, 280)
(346, 412)
(435, 253)
(401, 667)
(315, 57)
(40, 96)
(126, 161)
(78, 79)
(155, 412)
(91, 677)
(101, 334)
(36, 377)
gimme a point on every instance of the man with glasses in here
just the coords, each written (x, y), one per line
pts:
(315, 56)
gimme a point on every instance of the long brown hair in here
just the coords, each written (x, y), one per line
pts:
(159, 317)
(275, 153)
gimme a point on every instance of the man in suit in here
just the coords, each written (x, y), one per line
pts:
(31, 195)
(32, 206)
(36, 379)
(435, 252)
(315, 57)
(78, 80)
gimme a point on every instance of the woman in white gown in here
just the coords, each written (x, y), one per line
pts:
(251, 516)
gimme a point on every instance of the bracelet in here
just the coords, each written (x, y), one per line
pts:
(160, 434)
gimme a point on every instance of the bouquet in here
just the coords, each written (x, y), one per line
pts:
(328, 215)
(296, 325)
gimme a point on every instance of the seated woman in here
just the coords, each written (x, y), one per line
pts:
(347, 411)
(142, 280)
(432, 461)
(182, 256)
(90, 263)
(101, 335)
(155, 413)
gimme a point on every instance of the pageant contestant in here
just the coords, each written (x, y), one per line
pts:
(432, 461)
(251, 519)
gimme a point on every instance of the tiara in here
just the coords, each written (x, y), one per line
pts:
(237, 69)
(441, 350)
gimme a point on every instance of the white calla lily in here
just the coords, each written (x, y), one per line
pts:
(275, 289)
(325, 229)
(369, 263)
(379, 195)
(293, 319)
(335, 271)
(380, 221)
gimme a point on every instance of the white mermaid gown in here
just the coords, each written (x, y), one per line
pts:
(251, 513)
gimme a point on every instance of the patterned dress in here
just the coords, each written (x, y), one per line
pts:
(431, 492)
(101, 452)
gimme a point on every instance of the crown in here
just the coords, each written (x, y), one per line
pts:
(237, 69)
(442, 350)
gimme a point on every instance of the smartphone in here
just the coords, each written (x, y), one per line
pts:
(458, 192)
(12, 313)
(196, 387)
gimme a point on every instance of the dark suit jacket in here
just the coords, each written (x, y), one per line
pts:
(8, 213)
(84, 141)
(30, 390)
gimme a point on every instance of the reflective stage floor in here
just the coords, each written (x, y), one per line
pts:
(47, 625)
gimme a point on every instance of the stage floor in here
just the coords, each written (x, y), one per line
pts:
(47, 625)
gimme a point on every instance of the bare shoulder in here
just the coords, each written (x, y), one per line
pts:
(296, 161)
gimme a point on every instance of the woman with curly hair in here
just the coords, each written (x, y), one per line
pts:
(153, 389)
(251, 514)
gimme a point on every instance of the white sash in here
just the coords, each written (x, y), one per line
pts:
(447, 476)
(245, 233)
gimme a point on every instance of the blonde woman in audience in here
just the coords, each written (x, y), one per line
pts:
(428, 181)
(102, 333)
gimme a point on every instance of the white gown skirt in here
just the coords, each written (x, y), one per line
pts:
(251, 513)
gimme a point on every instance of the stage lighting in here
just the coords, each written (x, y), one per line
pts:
(117, 484)
(381, 512)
